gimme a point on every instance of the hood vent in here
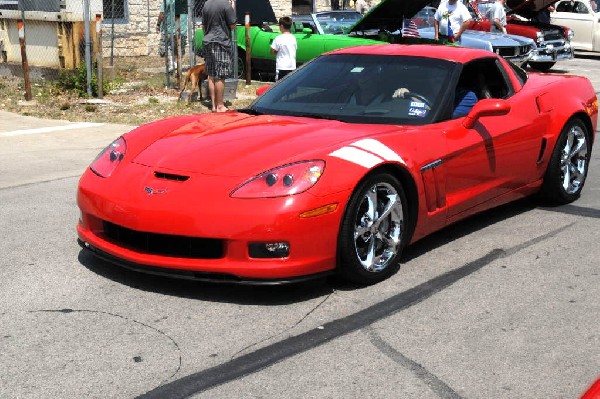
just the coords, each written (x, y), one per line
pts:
(170, 176)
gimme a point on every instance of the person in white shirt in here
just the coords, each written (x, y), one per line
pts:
(285, 47)
(450, 21)
(362, 6)
(497, 17)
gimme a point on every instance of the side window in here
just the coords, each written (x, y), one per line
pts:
(486, 79)
(116, 10)
(564, 6)
(580, 8)
(310, 26)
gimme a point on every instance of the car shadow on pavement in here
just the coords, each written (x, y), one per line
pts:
(469, 226)
(207, 291)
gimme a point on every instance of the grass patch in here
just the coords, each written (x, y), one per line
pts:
(135, 94)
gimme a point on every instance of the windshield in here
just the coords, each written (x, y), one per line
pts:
(425, 17)
(360, 88)
(484, 8)
(337, 22)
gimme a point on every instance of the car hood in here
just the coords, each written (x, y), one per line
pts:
(389, 14)
(481, 39)
(260, 11)
(240, 145)
(528, 8)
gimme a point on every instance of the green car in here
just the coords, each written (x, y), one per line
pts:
(311, 43)
(318, 33)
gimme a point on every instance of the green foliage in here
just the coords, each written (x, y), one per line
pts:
(91, 108)
(76, 80)
(153, 100)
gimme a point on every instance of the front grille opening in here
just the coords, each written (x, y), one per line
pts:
(170, 176)
(164, 244)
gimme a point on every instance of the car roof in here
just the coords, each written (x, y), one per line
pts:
(457, 54)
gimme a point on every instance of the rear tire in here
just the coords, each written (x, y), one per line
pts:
(373, 231)
(241, 62)
(568, 166)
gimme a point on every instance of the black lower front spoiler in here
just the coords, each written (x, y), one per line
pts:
(193, 275)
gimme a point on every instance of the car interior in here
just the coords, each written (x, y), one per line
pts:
(485, 79)
(576, 7)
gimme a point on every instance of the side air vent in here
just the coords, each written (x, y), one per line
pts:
(170, 176)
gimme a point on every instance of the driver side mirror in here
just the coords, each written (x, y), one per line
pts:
(486, 107)
(307, 31)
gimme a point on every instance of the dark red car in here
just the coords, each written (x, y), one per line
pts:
(553, 41)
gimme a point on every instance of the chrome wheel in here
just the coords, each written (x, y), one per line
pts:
(574, 160)
(378, 227)
(568, 166)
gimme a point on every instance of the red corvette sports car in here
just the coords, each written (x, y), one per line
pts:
(337, 167)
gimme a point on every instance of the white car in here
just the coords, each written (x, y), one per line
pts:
(583, 17)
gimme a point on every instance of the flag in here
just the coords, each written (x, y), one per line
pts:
(409, 29)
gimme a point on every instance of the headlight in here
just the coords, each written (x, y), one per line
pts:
(107, 161)
(570, 34)
(282, 181)
(539, 37)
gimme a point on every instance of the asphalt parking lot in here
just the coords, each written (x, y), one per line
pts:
(503, 305)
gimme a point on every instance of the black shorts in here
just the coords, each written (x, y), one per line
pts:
(218, 59)
(282, 73)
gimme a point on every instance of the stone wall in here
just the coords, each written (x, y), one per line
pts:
(136, 36)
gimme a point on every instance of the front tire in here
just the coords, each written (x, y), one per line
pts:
(373, 231)
(568, 167)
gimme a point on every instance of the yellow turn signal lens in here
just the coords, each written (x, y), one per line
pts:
(319, 211)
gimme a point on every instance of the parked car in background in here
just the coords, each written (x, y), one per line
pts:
(310, 45)
(552, 41)
(382, 24)
(517, 49)
(329, 22)
(583, 16)
(424, 18)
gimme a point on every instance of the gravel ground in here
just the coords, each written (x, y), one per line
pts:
(138, 94)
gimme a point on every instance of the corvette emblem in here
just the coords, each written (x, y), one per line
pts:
(152, 191)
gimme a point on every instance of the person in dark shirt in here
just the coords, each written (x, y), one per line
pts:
(543, 15)
(218, 20)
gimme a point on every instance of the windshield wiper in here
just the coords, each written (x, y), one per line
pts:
(250, 111)
(318, 116)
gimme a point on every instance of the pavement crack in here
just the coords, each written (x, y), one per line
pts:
(438, 386)
(66, 311)
(317, 306)
(40, 182)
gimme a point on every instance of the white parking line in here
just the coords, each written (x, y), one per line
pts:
(50, 129)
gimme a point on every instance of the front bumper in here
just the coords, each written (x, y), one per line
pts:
(520, 59)
(552, 53)
(195, 275)
(114, 221)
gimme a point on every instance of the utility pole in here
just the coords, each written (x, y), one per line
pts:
(24, 63)
(88, 55)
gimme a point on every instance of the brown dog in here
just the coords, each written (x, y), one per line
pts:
(196, 74)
